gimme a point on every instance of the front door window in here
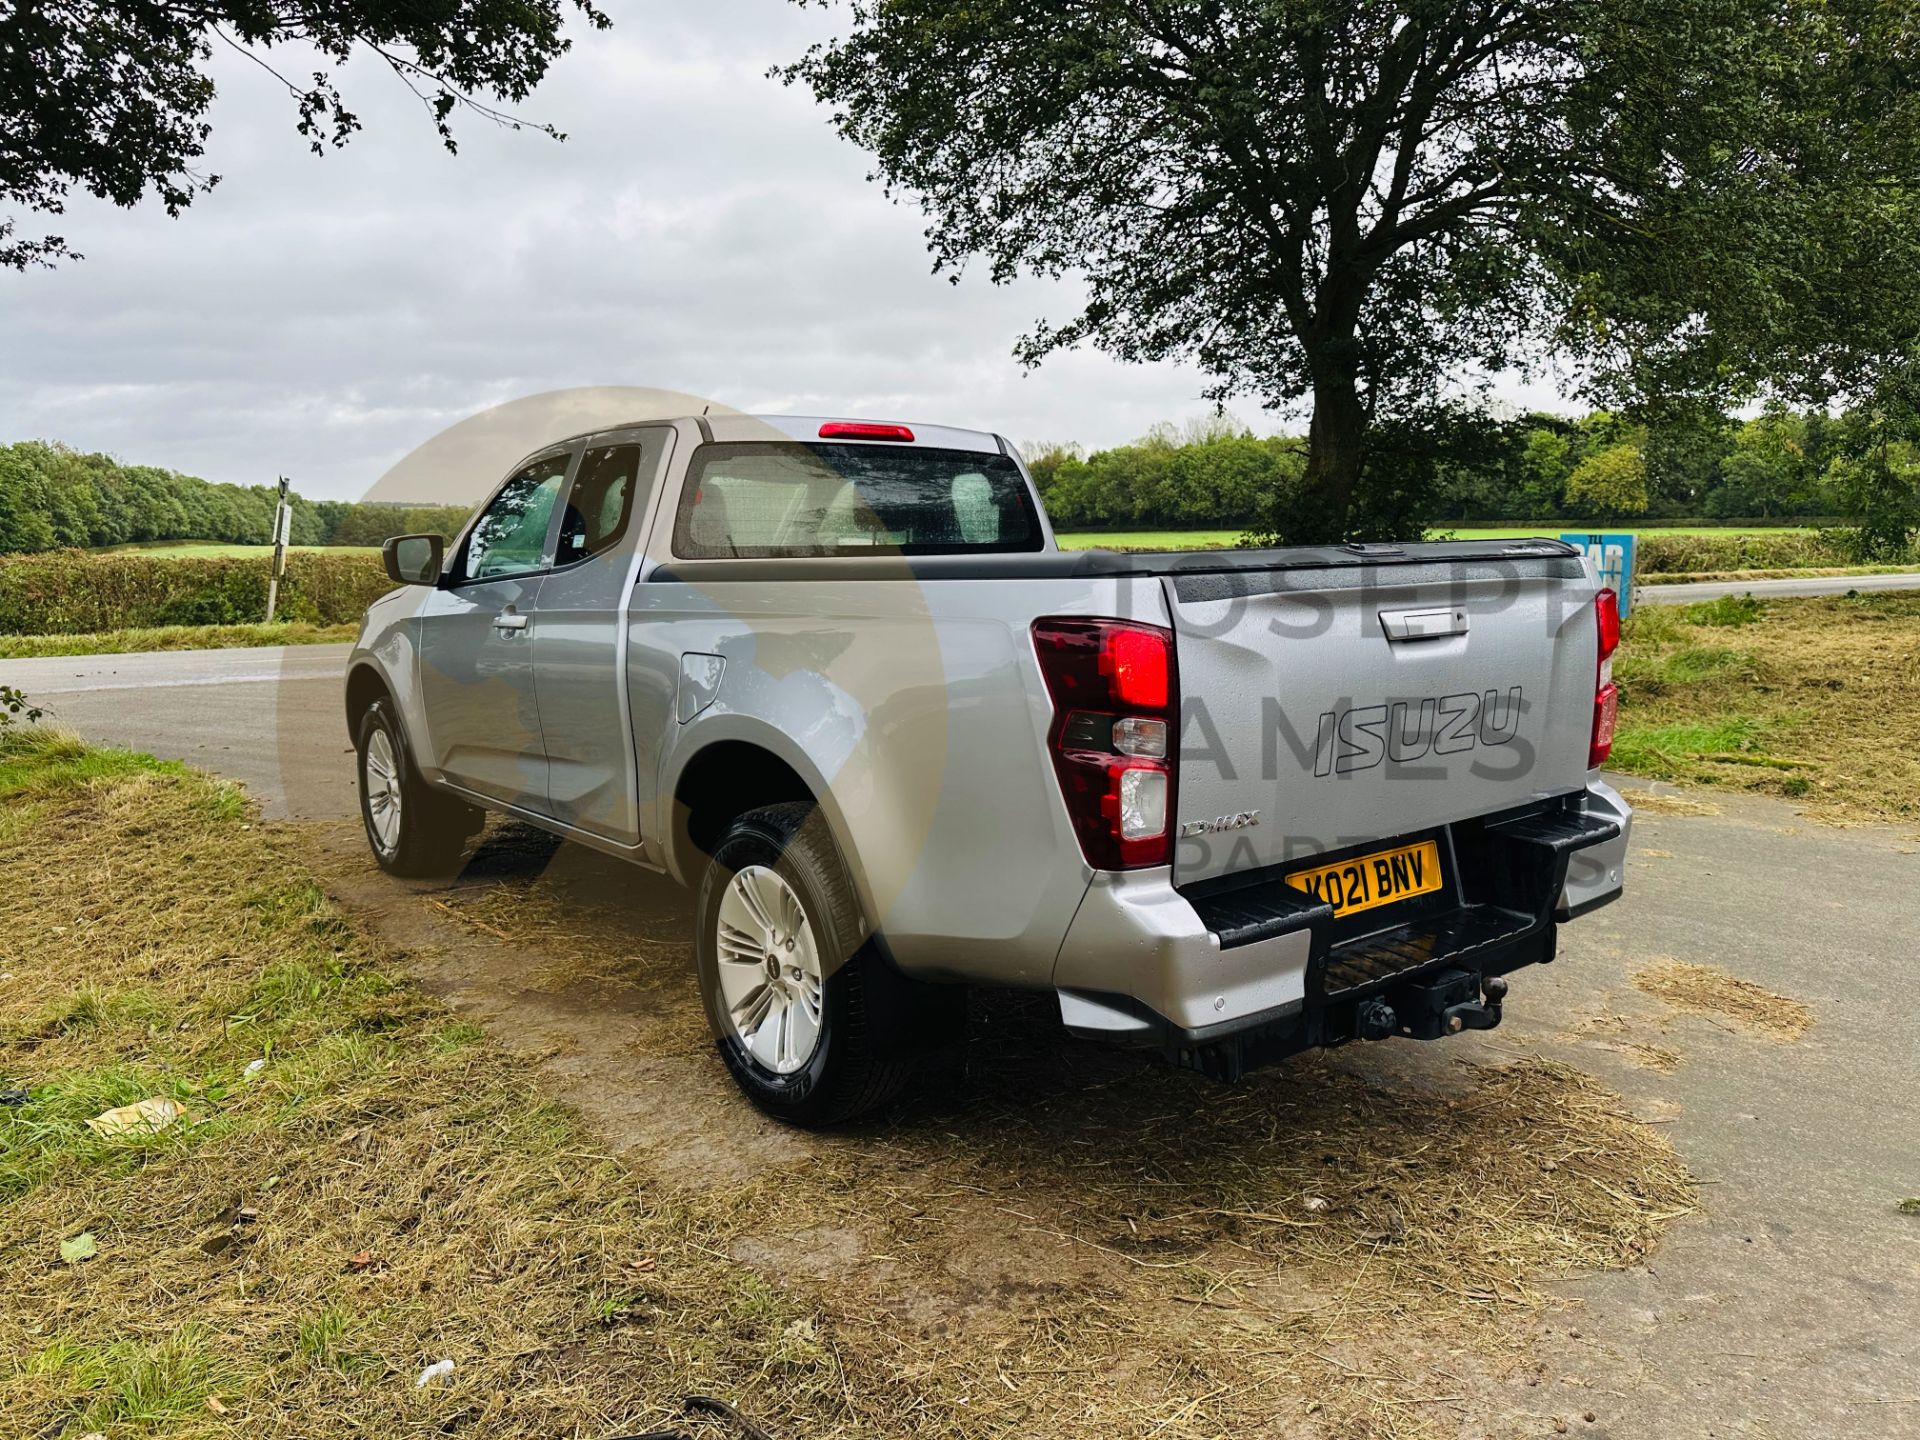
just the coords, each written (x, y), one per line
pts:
(510, 537)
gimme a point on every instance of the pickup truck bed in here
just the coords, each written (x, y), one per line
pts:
(1228, 804)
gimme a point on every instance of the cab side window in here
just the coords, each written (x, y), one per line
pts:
(510, 537)
(600, 503)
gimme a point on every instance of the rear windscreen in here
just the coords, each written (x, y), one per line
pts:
(763, 499)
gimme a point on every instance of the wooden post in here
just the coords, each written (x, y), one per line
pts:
(282, 524)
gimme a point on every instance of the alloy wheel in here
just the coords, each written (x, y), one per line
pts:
(769, 965)
(381, 781)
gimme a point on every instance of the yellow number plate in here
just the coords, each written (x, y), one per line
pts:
(1370, 880)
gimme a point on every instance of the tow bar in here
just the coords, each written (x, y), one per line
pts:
(1430, 1009)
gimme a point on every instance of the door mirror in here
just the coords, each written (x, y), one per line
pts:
(413, 559)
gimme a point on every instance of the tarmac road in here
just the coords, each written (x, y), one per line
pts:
(270, 717)
(1772, 589)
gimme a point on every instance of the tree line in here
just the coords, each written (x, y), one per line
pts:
(1452, 467)
(53, 497)
(1781, 465)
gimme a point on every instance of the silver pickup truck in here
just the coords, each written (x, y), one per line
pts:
(837, 677)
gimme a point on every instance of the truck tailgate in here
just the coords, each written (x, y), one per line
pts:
(1323, 708)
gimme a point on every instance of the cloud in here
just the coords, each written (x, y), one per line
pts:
(702, 229)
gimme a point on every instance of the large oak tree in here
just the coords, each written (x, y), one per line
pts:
(1361, 205)
(111, 96)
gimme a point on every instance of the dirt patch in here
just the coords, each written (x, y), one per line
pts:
(1614, 1033)
(1653, 1057)
(1287, 1247)
(1710, 991)
(549, 946)
(1638, 1052)
(1651, 802)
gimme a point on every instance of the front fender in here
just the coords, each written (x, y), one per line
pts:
(387, 654)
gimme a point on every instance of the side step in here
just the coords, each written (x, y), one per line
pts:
(1558, 832)
(1259, 912)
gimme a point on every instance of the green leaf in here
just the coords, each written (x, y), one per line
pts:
(1361, 205)
(81, 1247)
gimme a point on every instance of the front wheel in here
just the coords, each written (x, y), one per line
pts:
(413, 829)
(789, 975)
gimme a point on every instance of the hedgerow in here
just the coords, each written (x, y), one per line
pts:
(71, 592)
(1753, 550)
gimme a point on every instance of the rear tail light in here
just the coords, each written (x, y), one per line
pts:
(1137, 735)
(1134, 662)
(1606, 606)
(861, 430)
(1112, 686)
(1606, 694)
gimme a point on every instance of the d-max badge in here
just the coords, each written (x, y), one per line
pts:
(1221, 822)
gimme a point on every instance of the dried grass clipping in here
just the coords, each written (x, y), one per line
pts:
(1710, 991)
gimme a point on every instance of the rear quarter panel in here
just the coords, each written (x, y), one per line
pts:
(916, 710)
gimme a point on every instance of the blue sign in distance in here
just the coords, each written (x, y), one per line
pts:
(1613, 558)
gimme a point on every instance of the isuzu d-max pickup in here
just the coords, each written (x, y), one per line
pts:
(837, 678)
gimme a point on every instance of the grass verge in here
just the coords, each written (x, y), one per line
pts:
(384, 1192)
(1817, 700)
(173, 637)
(1073, 1243)
(1137, 1248)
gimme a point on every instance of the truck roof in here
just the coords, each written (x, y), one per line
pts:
(808, 427)
(733, 426)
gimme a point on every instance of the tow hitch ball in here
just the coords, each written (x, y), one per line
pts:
(1450, 1002)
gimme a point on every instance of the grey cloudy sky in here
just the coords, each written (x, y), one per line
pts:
(702, 230)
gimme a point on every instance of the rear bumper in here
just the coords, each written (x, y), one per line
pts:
(1596, 873)
(1266, 971)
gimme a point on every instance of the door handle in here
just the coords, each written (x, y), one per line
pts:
(1423, 624)
(508, 620)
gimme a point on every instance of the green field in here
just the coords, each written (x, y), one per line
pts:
(203, 550)
(1202, 539)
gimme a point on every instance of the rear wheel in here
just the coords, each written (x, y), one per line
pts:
(413, 829)
(789, 975)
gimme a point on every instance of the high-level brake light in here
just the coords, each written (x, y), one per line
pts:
(861, 430)
(1606, 694)
(1112, 685)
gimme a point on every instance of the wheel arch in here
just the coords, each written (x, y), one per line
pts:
(365, 684)
(730, 775)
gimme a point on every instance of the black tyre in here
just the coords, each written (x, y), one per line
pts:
(796, 991)
(413, 829)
